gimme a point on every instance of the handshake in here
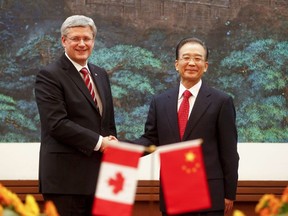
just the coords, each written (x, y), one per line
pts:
(106, 141)
(112, 139)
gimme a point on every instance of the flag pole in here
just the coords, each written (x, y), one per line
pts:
(151, 149)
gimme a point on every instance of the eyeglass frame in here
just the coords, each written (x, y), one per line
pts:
(85, 40)
(196, 59)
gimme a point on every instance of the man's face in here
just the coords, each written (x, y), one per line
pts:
(78, 44)
(191, 63)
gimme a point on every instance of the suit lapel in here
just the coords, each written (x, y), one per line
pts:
(171, 111)
(99, 85)
(202, 102)
(73, 74)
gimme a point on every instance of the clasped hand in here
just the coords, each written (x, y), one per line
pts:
(107, 141)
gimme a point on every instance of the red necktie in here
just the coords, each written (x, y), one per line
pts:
(88, 83)
(183, 113)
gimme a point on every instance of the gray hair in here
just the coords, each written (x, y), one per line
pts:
(78, 21)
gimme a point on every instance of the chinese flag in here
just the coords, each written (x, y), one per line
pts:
(183, 177)
(117, 180)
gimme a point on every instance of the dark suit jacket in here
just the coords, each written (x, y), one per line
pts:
(213, 120)
(70, 127)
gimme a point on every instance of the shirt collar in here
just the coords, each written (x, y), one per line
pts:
(194, 89)
(76, 65)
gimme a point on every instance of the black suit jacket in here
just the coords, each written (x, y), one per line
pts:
(212, 119)
(70, 127)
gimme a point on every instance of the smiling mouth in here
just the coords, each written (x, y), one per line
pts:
(191, 71)
(81, 51)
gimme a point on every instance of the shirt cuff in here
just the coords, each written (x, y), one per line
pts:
(98, 145)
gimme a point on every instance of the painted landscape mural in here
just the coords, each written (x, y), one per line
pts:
(136, 43)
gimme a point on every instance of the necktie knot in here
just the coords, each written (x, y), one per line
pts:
(187, 94)
(84, 71)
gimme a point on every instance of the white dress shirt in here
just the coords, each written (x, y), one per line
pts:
(194, 91)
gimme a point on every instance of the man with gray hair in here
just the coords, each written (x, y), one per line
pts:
(77, 120)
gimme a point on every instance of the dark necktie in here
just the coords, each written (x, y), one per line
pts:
(183, 113)
(88, 83)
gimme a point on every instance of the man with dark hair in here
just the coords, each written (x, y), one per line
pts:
(193, 110)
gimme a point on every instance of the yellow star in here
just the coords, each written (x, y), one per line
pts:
(189, 156)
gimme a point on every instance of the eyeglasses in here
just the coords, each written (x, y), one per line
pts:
(86, 40)
(195, 59)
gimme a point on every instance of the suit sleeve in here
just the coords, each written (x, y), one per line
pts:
(228, 147)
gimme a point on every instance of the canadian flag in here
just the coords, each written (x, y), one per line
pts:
(183, 177)
(117, 180)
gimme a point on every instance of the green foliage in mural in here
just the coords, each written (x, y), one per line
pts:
(261, 72)
(134, 74)
(44, 48)
(18, 111)
(14, 125)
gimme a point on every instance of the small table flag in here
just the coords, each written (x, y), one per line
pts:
(117, 182)
(183, 177)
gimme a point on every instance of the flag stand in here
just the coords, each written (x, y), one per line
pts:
(151, 201)
(151, 149)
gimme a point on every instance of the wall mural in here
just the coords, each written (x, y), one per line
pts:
(136, 45)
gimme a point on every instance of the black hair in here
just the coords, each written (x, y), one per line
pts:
(191, 40)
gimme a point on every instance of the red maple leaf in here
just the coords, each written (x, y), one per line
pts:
(117, 182)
